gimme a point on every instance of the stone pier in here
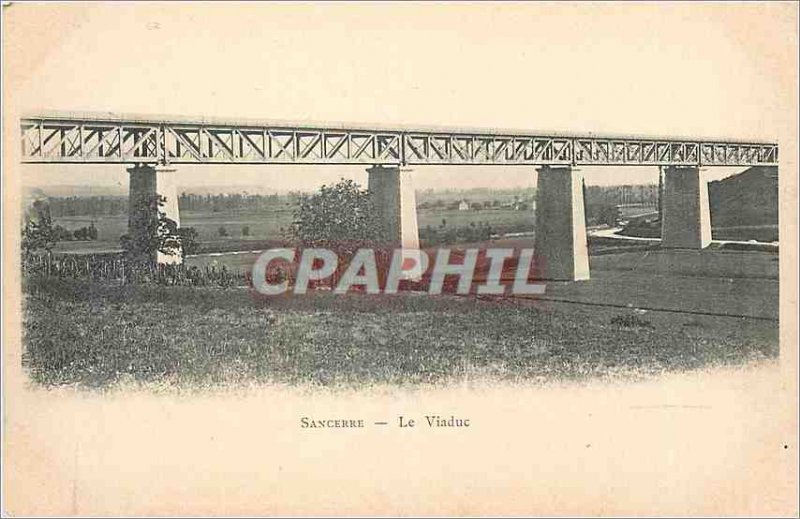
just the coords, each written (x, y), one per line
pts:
(147, 181)
(686, 218)
(393, 195)
(560, 247)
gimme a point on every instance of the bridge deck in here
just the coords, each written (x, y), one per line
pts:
(92, 138)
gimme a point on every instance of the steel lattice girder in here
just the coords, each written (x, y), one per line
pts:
(87, 140)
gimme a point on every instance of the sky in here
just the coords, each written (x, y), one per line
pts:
(698, 70)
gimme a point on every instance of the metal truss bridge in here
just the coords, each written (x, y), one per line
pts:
(96, 139)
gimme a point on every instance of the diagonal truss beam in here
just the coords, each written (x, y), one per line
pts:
(57, 139)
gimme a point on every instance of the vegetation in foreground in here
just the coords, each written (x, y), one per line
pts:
(94, 334)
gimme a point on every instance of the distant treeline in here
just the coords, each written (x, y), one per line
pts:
(622, 195)
(602, 202)
(435, 197)
(118, 205)
(235, 202)
(88, 206)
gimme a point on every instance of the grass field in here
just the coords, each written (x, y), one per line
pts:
(499, 219)
(613, 326)
(474, 195)
(110, 228)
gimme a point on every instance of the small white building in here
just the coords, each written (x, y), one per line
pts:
(463, 206)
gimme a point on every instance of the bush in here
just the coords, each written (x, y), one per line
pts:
(189, 241)
(85, 233)
(336, 215)
(600, 214)
(630, 321)
(151, 231)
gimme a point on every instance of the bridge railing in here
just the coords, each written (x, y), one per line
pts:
(61, 140)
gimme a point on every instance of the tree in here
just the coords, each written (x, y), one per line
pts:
(92, 232)
(335, 215)
(222, 231)
(151, 231)
(340, 218)
(608, 214)
(62, 234)
(38, 232)
(246, 230)
(190, 244)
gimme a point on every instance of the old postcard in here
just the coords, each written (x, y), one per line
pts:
(400, 259)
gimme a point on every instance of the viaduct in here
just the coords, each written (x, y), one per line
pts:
(152, 147)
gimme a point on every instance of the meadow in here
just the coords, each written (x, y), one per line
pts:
(643, 313)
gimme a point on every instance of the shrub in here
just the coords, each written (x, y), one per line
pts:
(150, 231)
(189, 241)
(336, 215)
(630, 321)
(38, 232)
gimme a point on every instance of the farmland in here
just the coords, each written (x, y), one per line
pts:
(268, 225)
(226, 222)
